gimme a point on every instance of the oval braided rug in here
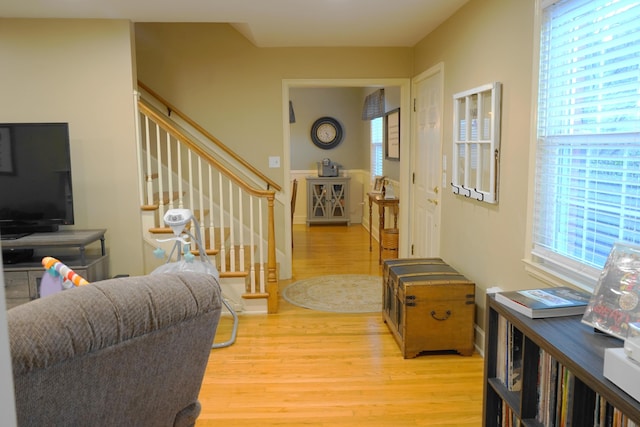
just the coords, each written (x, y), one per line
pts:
(339, 293)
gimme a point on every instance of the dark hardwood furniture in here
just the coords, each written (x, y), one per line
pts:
(428, 306)
(574, 345)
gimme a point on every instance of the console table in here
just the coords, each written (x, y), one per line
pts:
(393, 204)
(328, 200)
(22, 279)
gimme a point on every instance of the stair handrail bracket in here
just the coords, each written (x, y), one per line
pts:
(178, 171)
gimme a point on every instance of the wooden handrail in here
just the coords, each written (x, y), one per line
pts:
(174, 109)
(179, 135)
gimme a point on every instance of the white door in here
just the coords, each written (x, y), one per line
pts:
(427, 164)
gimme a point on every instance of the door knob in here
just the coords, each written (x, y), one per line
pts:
(434, 201)
(436, 189)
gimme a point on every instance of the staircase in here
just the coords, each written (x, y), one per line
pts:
(183, 166)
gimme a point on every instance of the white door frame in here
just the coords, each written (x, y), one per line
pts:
(405, 150)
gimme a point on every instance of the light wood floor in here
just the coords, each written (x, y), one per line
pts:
(307, 368)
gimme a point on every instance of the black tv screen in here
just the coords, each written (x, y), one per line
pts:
(35, 178)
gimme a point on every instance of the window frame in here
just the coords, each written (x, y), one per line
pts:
(476, 148)
(547, 266)
(376, 148)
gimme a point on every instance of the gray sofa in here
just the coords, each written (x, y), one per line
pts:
(121, 352)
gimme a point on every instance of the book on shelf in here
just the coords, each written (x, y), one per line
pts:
(616, 299)
(514, 373)
(501, 357)
(509, 358)
(556, 393)
(548, 302)
(547, 389)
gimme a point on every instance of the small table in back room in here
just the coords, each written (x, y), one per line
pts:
(382, 203)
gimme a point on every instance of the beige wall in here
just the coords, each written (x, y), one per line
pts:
(487, 41)
(81, 72)
(345, 105)
(234, 89)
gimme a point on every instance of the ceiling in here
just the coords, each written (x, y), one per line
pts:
(268, 23)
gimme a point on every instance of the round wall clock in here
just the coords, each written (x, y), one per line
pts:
(326, 132)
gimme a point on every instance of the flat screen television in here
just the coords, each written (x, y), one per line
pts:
(35, 178)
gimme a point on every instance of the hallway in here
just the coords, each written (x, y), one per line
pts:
(308, 368)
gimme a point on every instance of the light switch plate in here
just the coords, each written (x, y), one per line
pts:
(274, 161)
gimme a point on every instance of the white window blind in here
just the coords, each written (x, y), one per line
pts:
(587, 191)
(377, 135)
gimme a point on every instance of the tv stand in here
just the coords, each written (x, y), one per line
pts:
(22, 277)
(15, 256)
(12, 236)
(18, 231)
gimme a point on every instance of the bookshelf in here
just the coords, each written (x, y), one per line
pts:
(577, 352)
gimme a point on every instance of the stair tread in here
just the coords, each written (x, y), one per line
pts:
(166, 197)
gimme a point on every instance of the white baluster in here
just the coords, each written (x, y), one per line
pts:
(232, 240)
(241, 230)
(212, 230)
(179, 163)
(223, 252)
(149, 177)
(161, 204)
(252, 255)
(263, 285)
(170, 172)
(200, 198)
(190, 179)
(136, 98)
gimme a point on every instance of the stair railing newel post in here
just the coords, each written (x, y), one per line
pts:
(272, 279)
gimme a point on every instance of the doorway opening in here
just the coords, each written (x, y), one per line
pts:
(341, 99)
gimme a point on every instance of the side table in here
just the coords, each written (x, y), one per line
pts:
(382, 203)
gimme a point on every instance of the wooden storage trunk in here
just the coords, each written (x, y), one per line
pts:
(428, 306)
